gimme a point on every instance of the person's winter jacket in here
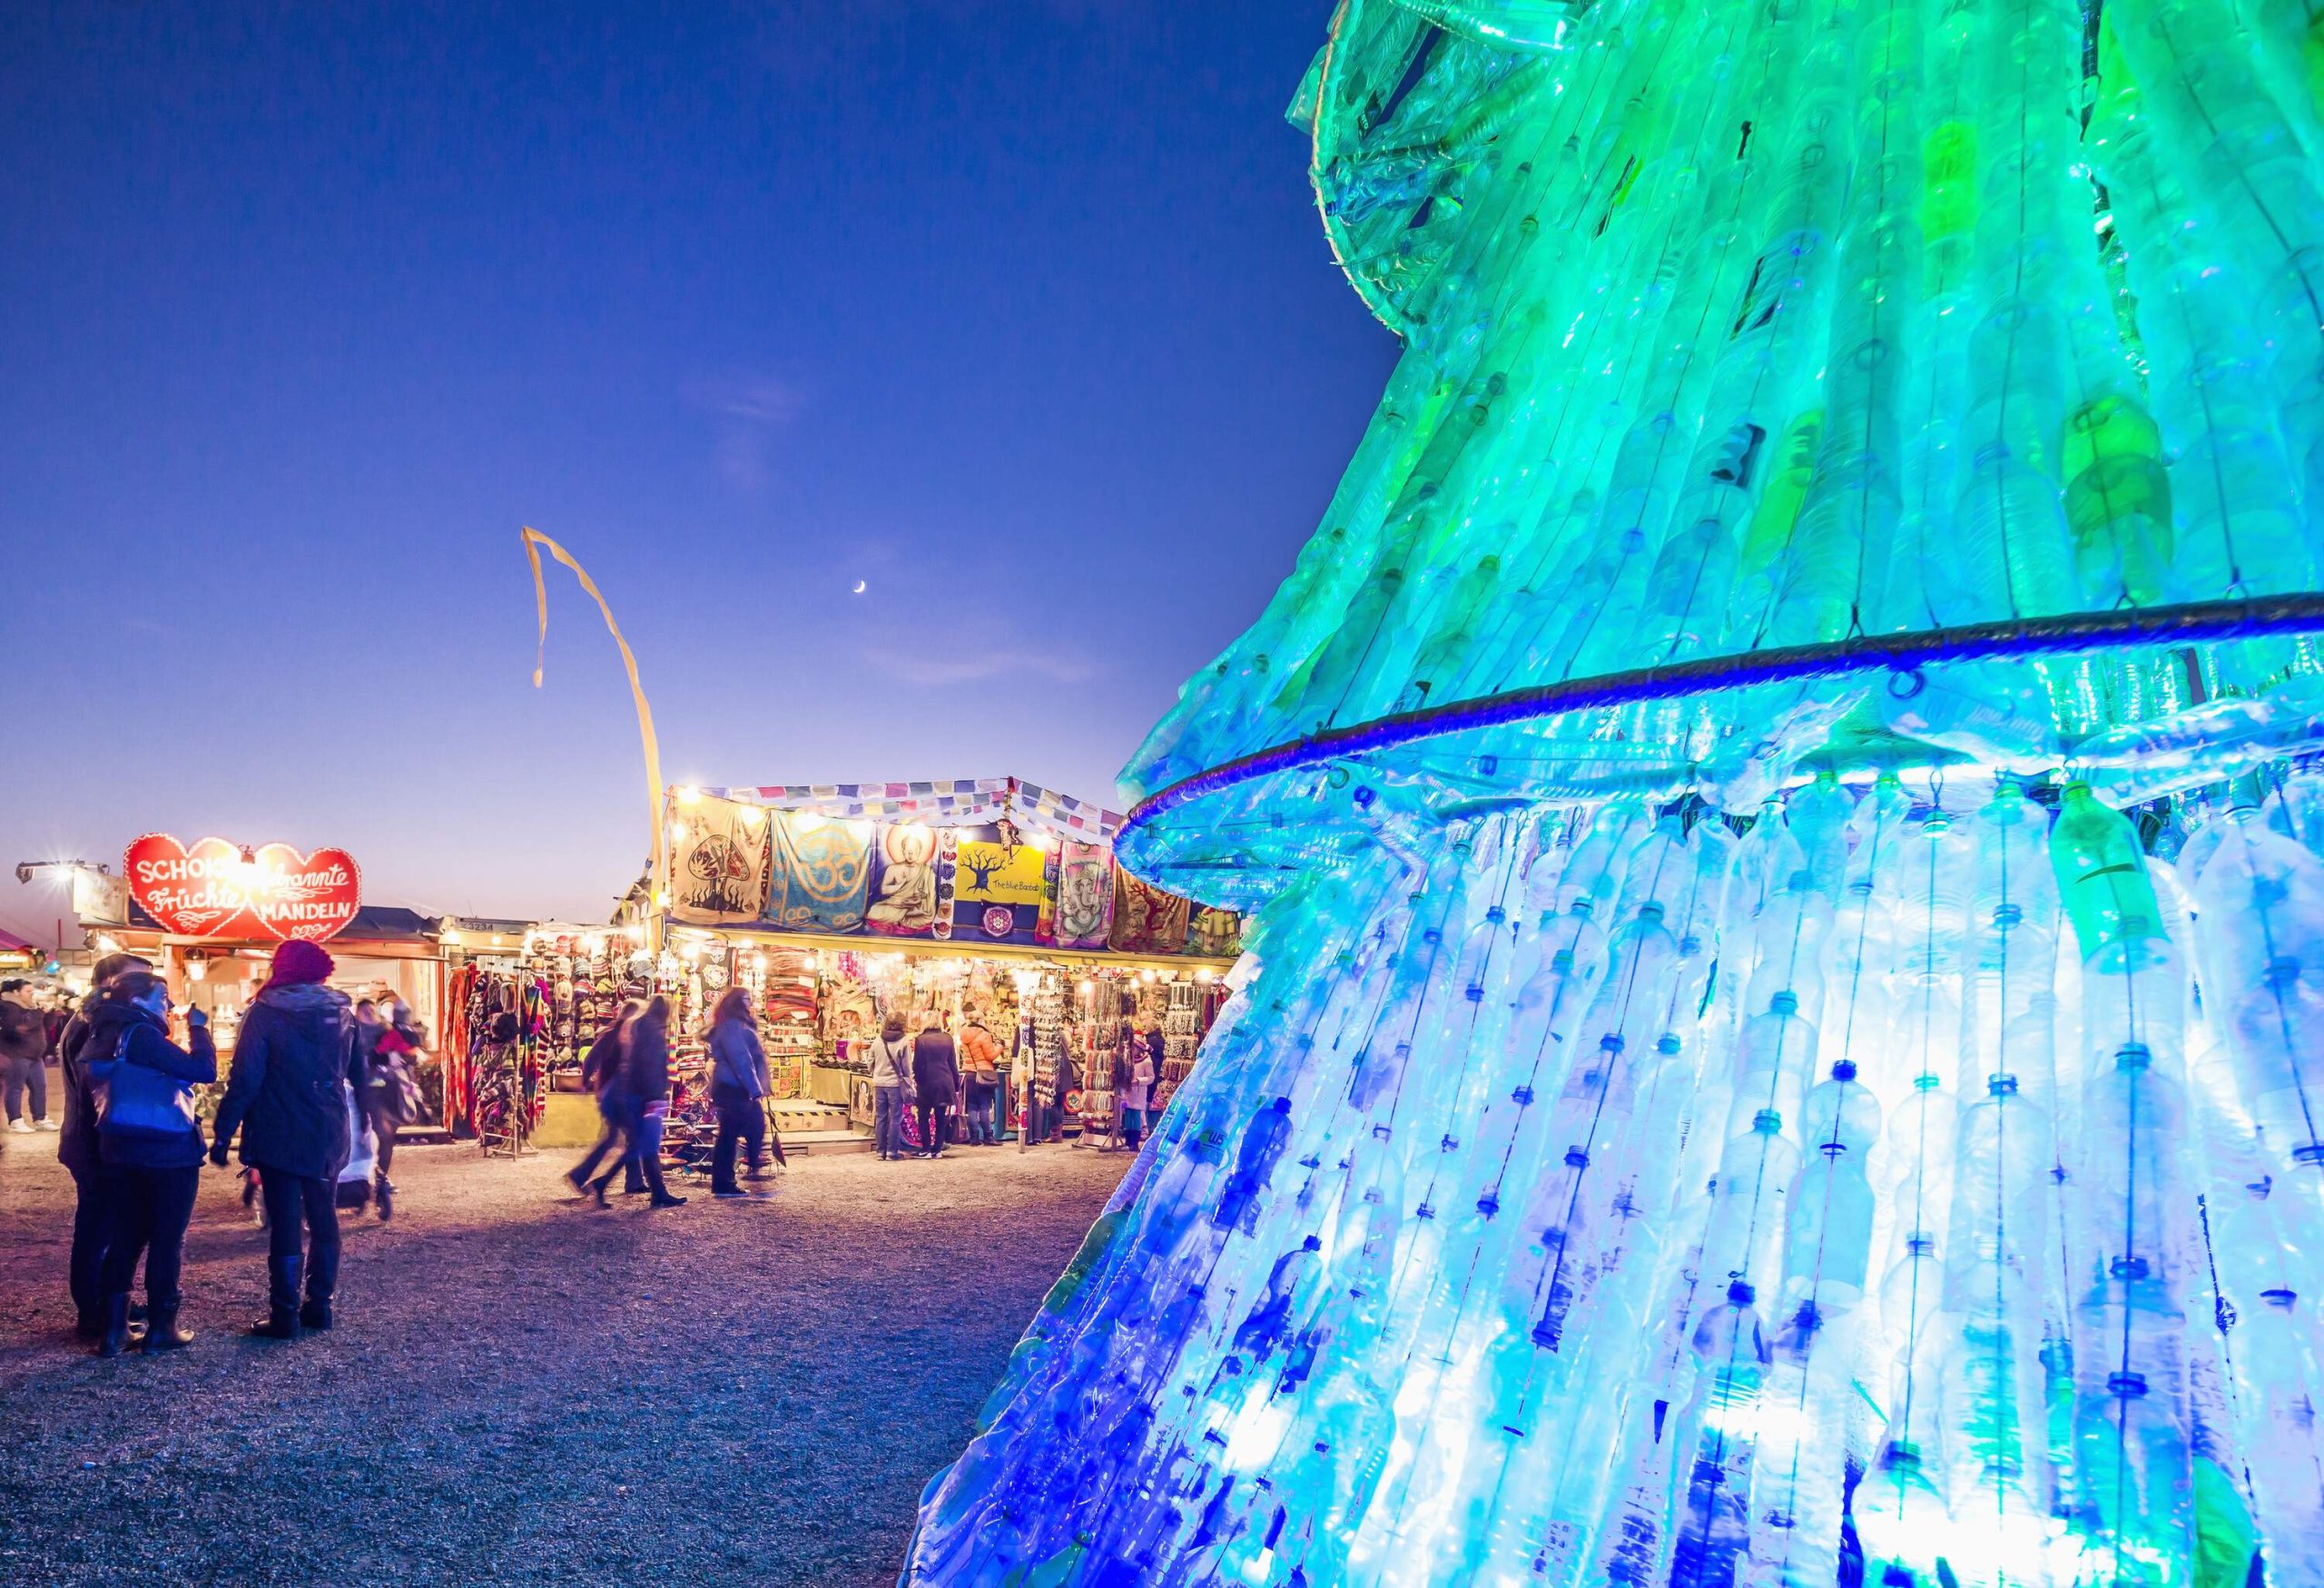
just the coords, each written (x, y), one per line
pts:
(601, 1065)
(21, 1034)
(981, 1063)
(645, 1066)
(285, 1091)
(124, 1030)
(737, 1057)
(1135, 1095)
(368, 1033)
(890, 1063)
(76, 1139)
(979, 1049)
(935, 1068)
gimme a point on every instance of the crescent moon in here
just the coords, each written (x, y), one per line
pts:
(859, 587)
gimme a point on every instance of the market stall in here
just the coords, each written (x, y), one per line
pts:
(527, 1000)
(992, 901)
(209, 915)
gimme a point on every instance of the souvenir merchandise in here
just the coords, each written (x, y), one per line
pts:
(718, 863)
(821, 874)
(497, 1052)
(993, 861)
(903, 888)
(585, 973)
(1217, 933)
(1079, 905)
(784, 981)
(1184, 1021)
(1146, 921)
(1000, 881)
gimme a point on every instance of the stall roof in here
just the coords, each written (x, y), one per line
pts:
(372, 923)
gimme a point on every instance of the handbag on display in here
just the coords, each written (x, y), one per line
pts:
(136, 1100)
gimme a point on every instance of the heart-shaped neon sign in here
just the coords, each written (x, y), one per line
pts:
(217, 889)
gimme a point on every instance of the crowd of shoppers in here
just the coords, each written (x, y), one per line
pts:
(309, 1071)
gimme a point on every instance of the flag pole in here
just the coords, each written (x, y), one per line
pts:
(656, 876)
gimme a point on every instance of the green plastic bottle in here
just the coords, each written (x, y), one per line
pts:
(2101, 874)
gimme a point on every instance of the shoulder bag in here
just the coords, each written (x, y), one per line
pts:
(138, 1100)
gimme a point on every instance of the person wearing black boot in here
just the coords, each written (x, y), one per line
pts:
(936, 1083)
(601, 1074)
(738, 1083)
(76, 1149)
(286, 1092)
(149, 1147)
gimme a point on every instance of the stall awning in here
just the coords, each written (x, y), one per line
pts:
(954, 948)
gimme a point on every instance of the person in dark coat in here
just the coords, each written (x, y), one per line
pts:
(76, 1149)
(645, 1098)
(936, 1079)
(24, 1059)
(287, 1092)
(601, 1075)
(151, 1175)
(738, 1090)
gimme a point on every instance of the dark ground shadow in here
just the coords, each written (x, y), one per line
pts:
(523, 1389)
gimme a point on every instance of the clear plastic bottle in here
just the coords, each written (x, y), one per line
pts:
(1750, 1200)
(2001, 717)
(1710, 1520)
(1828, 1246)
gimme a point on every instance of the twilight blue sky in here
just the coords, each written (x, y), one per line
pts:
(1016, 310)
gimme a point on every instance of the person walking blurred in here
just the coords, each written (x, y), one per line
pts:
(390, 1097)
(149, 1147)
(77, 1148)
(891, 1077)
(289, 1092)
(738, 1090)
(980, 1082)
(936, 1083)
(23, 1055)
(645, 1098)
(601, 1074)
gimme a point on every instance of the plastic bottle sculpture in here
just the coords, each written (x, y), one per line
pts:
(1782, 1039)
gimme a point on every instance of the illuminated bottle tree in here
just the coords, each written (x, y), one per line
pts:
(1783, 1038)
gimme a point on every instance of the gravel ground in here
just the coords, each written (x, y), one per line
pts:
(524, 1389)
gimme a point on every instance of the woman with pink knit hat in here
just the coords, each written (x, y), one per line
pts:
(294, 1058)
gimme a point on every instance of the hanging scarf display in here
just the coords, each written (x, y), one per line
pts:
(903, 882)
(1078, 904)
(718, 865)
(1146, 921)
(820, 874)
(998, 883)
